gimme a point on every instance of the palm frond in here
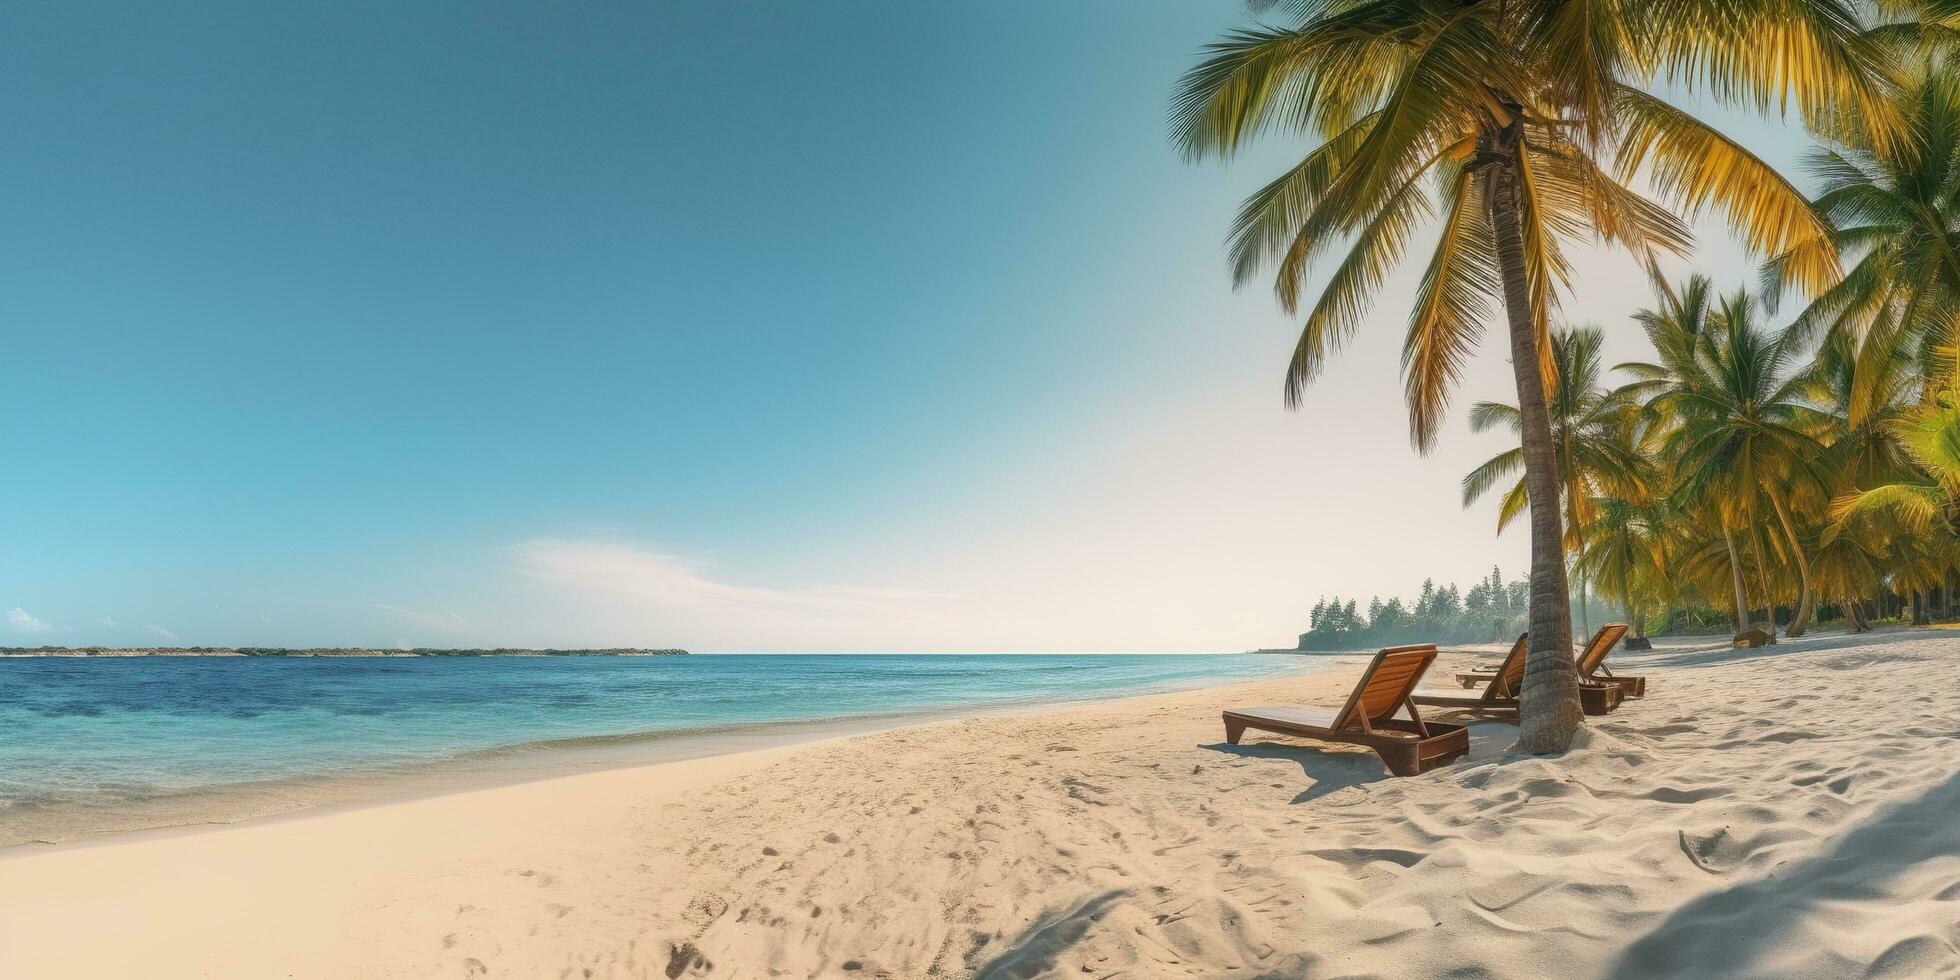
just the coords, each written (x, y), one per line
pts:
(1451, 305)
(1478, 481)
(1485, 416)
(1699, 167)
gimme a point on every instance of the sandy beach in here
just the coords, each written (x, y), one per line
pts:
(1786, 812)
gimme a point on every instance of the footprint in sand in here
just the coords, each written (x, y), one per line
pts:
(683, 956)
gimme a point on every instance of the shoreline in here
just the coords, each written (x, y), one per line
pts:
(36, 829)
(303, 652)
(1746, 818)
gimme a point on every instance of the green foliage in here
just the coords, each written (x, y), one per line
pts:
(1491, 610)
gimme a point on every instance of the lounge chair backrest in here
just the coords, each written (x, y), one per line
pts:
(1386, 684)
(1510, 676)
(1601, 644)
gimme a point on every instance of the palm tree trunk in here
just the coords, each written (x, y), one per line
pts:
(1735, 576)
(1578, 543)
(1585, 618)
(1762, 579)
(1549, 712)
(1802, 620)
(1639, 639)
(1855, 608)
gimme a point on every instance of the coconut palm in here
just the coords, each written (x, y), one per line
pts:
(1922, 29)
(1896, 218)
(1513, 109)
(1930, 434)
(1625, 553)
(1733, 424)
(1862, 389)
(1588, 436)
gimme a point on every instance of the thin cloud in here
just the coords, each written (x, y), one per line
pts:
(23, 621)
(445, 619)
(160, 631)
(109, 621)
(623, 593)
(660, 580)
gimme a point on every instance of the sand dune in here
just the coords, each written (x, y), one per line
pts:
(1789, 812)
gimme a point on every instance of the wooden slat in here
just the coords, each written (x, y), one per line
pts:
(1601, 644)
(1384, 689)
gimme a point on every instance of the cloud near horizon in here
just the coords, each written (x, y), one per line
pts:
(160, 631)
(448, 619)
(658, 598)
(23, 621)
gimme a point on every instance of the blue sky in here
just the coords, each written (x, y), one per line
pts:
(726, 325)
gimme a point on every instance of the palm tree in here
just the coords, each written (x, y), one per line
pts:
(1930, 434)
(1593, 457)
(1740, 436)
(1896, 215)
(1510, 107)
(1920, 28)
(1625, 552)
(1862, 390)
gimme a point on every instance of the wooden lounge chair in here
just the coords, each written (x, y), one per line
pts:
(1591, 664)
(1368, 718)
(1502, 687)
(1481, 673)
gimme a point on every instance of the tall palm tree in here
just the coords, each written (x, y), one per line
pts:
(1739, 436)
(1593, 457)
(1862, 389)
(1896, 216)
(1626, 553)
(1510, 106)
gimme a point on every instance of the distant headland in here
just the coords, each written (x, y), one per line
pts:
(324, 652)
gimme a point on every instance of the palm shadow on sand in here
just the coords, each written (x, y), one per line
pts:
(1632, 663)
(1035, 951)
(1724, 932)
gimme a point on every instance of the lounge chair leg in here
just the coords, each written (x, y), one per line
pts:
(1233, 729)
(1399, 760)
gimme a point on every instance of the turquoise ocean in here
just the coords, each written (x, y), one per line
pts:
(80, 734)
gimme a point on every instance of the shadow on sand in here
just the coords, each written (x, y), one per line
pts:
(1723, 933)
(1334, 767)
(1033, 953)
(1703, 657)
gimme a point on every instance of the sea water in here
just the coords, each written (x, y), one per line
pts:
(84, 733)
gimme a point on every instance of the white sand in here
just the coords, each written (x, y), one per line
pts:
(1790, 812)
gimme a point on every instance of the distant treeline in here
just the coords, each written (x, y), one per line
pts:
(1492, 611)
(326, 652)
(1489, 611)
